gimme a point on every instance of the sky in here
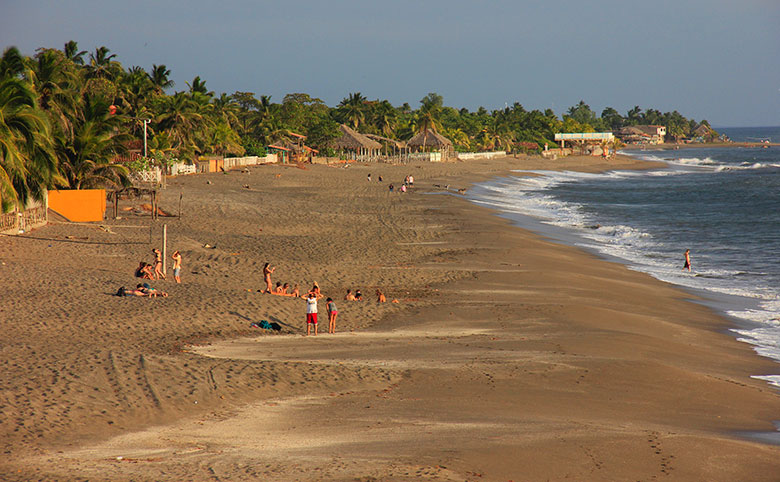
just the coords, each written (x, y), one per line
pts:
(708, 59)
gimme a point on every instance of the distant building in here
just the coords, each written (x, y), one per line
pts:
(643, 134)
(703, 133)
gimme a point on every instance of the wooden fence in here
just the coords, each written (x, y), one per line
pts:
(19, 222)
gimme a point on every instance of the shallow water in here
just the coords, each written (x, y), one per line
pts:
(721, 203)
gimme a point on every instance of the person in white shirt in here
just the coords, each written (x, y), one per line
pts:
(311, 312)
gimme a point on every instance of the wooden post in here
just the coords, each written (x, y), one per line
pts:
(165, 249)
(181, 195)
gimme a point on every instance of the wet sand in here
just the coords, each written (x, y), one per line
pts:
(507, 357)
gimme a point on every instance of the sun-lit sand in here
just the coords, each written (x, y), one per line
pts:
(507, 356)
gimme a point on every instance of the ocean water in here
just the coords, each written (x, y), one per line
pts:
(721, 203)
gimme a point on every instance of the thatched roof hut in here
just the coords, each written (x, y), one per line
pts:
(429, 138)
(353, 141)
(395, 143)
(356, 145)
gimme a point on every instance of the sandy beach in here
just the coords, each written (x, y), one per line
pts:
(506, 357)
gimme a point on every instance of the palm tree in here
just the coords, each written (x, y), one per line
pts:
(27, 166)
(86, 159)
(136, 89)
(102, 65)
(178, 116)
(58, 86)
(227, 109)
(224, 140)
(72, 52)
(385, 118)
(353, 108)
(159, 77)
(428, 115)
(199, 86)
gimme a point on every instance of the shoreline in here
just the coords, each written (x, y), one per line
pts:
(720, 302)
(536, 328)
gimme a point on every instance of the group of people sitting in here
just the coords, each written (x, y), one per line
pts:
(151, 271)
(358, 296)
(284, 290)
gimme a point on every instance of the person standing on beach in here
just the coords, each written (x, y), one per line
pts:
(158, 271)
(267, 270)
(687, 264)
(333, 312)
(176, 266)
(311, 312)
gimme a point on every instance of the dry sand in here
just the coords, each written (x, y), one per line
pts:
(508, 357)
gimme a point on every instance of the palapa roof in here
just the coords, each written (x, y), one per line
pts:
(633, 131)
(375, 137)
(429, 138)
(354, 140)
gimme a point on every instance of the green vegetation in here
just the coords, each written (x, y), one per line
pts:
(66, 116)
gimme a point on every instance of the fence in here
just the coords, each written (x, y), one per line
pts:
(20, 222)
(153, 175)
(466, 156)
(181, 168)
(425, 156)
(233, 162)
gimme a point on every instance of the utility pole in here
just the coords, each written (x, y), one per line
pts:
(145, 121)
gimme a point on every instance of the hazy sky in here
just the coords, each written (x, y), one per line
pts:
(709, 59)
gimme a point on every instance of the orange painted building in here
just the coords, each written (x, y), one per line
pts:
(79, 205)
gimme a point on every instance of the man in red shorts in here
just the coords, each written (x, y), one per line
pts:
(311, 312)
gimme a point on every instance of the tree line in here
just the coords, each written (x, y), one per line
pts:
(67, 115)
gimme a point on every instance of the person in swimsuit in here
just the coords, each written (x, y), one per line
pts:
(687, 264)
(333, 312)
(176, 266)
(349, 296)
(144, 271)
(158, 264)
(149, 291)
(267, 270)
(316, 290)
(380, 297)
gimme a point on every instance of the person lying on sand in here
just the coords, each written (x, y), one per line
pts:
(136, 292)
(380, 297)
(278, 288)
(349, 296)
(152, 292)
